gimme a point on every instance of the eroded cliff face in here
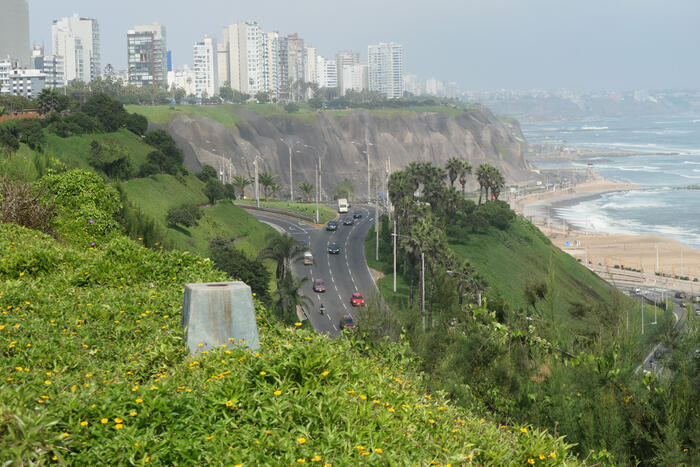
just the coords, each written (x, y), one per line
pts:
(340, 140)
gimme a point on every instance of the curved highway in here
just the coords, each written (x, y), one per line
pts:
(343, 273)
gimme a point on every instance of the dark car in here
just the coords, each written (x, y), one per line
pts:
(332, 226)
(347, 322)
(348, 221)
(319, 286)
(333, 248)
(357, 215)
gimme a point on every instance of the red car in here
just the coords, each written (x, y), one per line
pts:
(357, 299)
(347, 323)
(319, 286)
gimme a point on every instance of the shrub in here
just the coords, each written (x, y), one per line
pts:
(186, 215)
(109, 112)
(208, 172)
(214, 190)
(238, 266)
(111, 159)
(25, 205)
(136, 123)
(498, 214)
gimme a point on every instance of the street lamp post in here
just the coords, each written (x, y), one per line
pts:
(319, 169)
(476, 287)
(257, 198)
(291, 173)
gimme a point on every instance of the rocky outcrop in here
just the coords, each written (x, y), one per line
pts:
(341, 141)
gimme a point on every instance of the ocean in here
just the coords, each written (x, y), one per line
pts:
(665, 164)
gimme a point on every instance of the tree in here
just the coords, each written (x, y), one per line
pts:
(306, 188)
(240, 182)
(496, 182)
(111, 159)
(186, 215)
(482, 176)
(275, 188)
(453, 167)
(214, 190)
(109, 112)
(137, 124)
(239, 266)
(289, 298)
(229, 191)
(225, 92)
(283, 249)
(50, 100)
(208, 172)
(464, 171)
(292, 107)
(266, 179)
(344, 190)
(262, 97)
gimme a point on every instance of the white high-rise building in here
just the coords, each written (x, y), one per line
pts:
(326, 72)
(354, 78)
(147, 53)
(271, 64)
(205, 67)
(343, 59)
(386, 69)
(17, 81)
(244, 43)
(310, 73)
(52, 67)
(186, 79)
(14, 31)
(77, 40)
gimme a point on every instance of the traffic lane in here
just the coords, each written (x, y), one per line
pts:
(311, 234)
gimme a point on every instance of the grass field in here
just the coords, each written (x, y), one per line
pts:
(304, 209)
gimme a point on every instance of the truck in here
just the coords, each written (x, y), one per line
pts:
(342, 205)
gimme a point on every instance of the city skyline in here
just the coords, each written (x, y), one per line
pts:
(541, 45)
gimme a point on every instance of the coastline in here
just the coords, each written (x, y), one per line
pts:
(634, 255)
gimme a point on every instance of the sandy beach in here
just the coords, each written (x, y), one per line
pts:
(605, 251)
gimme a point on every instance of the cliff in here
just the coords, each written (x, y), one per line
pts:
(396, 137)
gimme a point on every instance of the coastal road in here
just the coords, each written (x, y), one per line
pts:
(344, 273)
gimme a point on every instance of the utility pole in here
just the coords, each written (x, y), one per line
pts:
(317, 192)
(641, 308)
(376, 226)
(257, 198)
(291, 177)
(422, 285)
(369, 191)
(395, 237)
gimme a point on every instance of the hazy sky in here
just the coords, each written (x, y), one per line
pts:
(481, 44)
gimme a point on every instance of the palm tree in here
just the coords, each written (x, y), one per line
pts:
(283, 249)
(306, 188)
(482, 176)
(465, 169)
(289, 298)
(240, 182)
(275, 187)
(266, 179)
(454, 167)
(496, 182)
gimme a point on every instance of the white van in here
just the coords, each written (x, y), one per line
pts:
(308, 259)
(342, 205)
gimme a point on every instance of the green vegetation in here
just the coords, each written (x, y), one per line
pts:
(305, 209)
(96, 370)
(550, 344)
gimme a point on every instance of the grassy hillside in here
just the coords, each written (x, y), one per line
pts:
(156, 195)
(95, 371)
(73, 152)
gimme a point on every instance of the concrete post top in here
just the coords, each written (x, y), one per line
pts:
(207, 286)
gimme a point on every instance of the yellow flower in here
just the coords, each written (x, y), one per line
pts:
(431, 421)
(209, 437)
(552, 454)
(118, 426)
(229, 403)
(325, 373)
(135, 388)
(277, 393)
(360, 447)
(531, 461)
(297, 324)
(523, 430)
(542, 457)
(301, 461)
(104, 420)
(138, 401)
(378, 451)
(83, 423)
(118, 420)
(316, 459)
(364, 453)
(301, 440)
(262, 373)
(65, 435)
(47, 382)
(133, 414)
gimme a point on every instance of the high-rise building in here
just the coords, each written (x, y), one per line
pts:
(295, 58)
(51, 66)
(77, 40)
(310, 73)
(271, 64)
(354, 78)
(343, 59)
(205, 67)
(222, 64)
(14, 31)
(147, 55)
(327, 72)
(385, 62)
(244, 44)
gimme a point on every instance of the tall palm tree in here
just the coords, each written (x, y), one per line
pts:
(496, 182)
(283, 249)
(275, 187)
(306, 188)
(464, 170)
(454, 168)
(240, 182)
(482, 176)
(289, 297)
(266, 179)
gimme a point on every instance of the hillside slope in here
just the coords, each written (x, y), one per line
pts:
(237, 133)
(95, 370)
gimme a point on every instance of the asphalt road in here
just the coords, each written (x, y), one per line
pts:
(344, 273)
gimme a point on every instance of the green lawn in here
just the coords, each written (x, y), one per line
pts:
(304, 209)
